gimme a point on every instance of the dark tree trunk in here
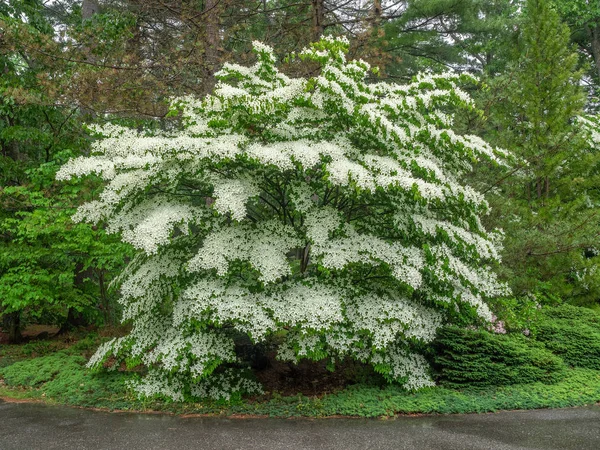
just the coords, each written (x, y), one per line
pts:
(12, 324)
(318, 19)
(594, 32)
(104, 300)
(376, 13)
(211, 43)
(89, 8)
(74, 320)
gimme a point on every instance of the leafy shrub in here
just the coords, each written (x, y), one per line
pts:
(479, 358)
(38, 348)
(37, 371)
(572, 333)
(579, 387)
(88, 343)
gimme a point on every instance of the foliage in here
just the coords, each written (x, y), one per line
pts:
(326, 207)
(578, 387)
(40, 370)
(517, 314)
(547, 204)
(573, 333)
(63, 378)
(480, 358)
(108, 390)
(319, 169)
(47, 264)
(583, 18)
(437, 34)
(50, 269)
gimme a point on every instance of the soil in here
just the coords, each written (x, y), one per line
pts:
(309, 378)
(31, 332)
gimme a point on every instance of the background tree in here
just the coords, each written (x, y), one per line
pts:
(50, 270)
(127, 57)
(441, 34)
(548, 207)
(583, 18)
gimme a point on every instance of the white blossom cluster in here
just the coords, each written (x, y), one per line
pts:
(328, 211)
(264, 246)
(405, 262)
(222, 385)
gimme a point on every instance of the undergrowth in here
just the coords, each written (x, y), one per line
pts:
(62, 378)
(480, 358)
(477, 372)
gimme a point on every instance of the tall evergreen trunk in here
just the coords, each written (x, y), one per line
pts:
(211, 42)
(89, 8)
(376, 13)
(75, 319)
(594, 32)
(318, 19)
(104, 300)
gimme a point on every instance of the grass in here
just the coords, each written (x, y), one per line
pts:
(57, 375)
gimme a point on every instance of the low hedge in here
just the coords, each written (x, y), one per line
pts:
(479, 358)
(572, 333)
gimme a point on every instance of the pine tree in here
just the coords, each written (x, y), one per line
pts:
(548, 209)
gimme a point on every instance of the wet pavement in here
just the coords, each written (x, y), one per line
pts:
(25, 426)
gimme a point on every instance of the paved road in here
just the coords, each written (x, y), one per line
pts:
(33, 426)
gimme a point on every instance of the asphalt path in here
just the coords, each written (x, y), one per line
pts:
(25, 426)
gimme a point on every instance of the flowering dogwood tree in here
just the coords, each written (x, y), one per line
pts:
(327, 210)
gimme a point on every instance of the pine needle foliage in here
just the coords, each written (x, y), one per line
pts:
(480, 358)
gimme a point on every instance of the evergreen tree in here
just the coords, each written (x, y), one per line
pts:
(583, 17)
(548, 207)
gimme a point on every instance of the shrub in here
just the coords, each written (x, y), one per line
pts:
(34, 372)
(572, 333)
(480, 358)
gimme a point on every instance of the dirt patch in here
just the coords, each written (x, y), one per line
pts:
(32, 332)
(309, 378)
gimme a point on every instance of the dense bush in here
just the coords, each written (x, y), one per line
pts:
(480, 358)
(572, 333)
